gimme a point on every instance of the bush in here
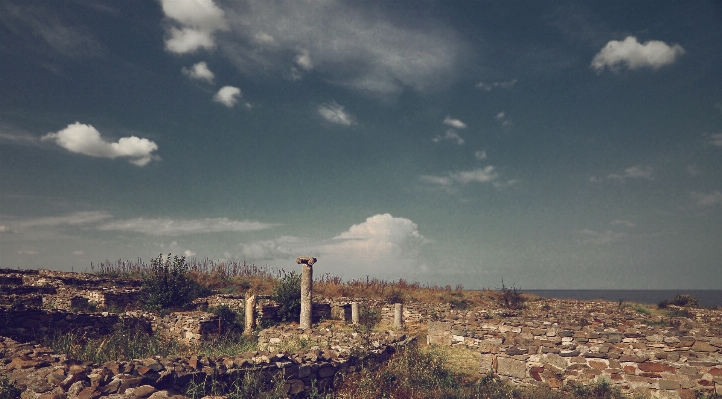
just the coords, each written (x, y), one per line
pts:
(230, 319)
(680, 300)
(287, 293)
(168, 284)
(394, 296)
(510, 298)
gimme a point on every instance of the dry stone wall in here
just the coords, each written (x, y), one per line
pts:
(43, 374)
(561, 342)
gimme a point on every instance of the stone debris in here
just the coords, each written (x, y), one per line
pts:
(563, 341)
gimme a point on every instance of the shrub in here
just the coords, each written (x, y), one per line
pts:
(287, 293)
(680, 300)
(230, 319)
(167, 284)
(394, 296)
(510, 298)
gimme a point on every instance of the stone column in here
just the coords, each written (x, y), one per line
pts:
(354, 313)
(306, 290)
(398, 315)
(250, 313)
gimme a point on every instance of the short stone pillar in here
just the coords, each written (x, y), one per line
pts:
(398, 315)
(354, 313)
(250, 313)
(306, 290)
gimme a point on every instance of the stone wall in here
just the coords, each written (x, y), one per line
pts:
(37, 370)
(29, 322)
(588, 341)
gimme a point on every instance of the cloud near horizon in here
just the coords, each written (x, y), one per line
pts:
(172, 227)
(86, 140)
(634, 55)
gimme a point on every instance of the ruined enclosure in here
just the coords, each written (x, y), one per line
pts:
(552, 342)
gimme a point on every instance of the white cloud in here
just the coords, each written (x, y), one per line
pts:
(356, 47)
(304, 60)
(635, 172)
(78, 253)
(379, 238)
(454, 123)
(335, 113)
(5, 229)
(76, 218)
(715, 139)
(228, 96)
(711, 199)
(199, 71)
(653, 54)
(171, 227)
(86, 140)
(198, 20)
(499, 116)
(478, 175)
(188, 253)
(187, 40)
(622, 223)
(282, 248)
(27, 252)
(449, 135)
(502, 85)
(480, 155)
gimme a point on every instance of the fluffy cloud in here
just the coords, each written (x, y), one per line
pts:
(86, 140)
(715, 139)
(454, 123)
(449, 135)
(76, 218)
(228, 96)
(710, 199)
(198, 20)
(335, 113)
(493, 85)
(480, 155)
(379, 238)
(635, 172)
(634, 55)
(171, 227)
(362, 48)
(199, 71)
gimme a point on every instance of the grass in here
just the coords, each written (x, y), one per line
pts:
(135, 343)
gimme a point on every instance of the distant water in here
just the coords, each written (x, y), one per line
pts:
(705, 297)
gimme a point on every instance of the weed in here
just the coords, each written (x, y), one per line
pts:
(168, 285)
(8, 389)
(643, 310)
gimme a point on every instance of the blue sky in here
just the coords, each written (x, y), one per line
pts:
(552, 144)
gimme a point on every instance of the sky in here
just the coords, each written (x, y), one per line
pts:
(545, 144)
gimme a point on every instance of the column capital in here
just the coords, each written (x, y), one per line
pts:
(306, 260)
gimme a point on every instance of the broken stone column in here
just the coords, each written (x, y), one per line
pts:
(354, 313)
(306, 290)
(250, 313)
(398, 315)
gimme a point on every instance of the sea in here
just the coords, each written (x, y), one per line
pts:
(704, 297)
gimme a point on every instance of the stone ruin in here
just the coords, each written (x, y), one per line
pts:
(553, 342)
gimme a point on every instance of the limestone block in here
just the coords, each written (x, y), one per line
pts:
(511, 368)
